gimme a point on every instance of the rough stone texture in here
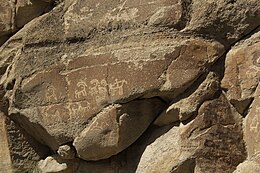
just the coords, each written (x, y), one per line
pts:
(224, 20)
(15, 14)
(242, 74)
(25, 151)
(89, 78)
(6, 162)
(187, 107)
(112, 130)
(241, 80)
(59, 92)
(52, 164)
(252, 127)
(247, 167)
(66, 152)
(215, 132)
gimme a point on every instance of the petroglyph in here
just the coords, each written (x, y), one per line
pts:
(51, 94)
(117, 87)
(99, 89)
(82, 92)
(77, 109)
(104, 128)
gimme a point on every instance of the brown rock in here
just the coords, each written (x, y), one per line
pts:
(242, 74)
(66, 152)
(24, 150)
(74, 89)
(247, 167)
(28, 10)
(112, 130)
(215, 135)
(6, 162)
(117, 15)
(224, 20)
(15, 14)
(194, 57)
(187, 107)
(252, 127)
(6, 20)
(218, 131)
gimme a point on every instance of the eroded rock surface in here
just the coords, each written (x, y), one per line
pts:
(82, 86)
(187, 107)
(241, 80)
(204, 140)
(242, 74)
(15, 14)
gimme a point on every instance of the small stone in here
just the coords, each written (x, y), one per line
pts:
(51, 165)
(66, 152)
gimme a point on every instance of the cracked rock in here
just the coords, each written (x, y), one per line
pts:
(242, 74)
(115, 128)
(215, 135)
(187, 107)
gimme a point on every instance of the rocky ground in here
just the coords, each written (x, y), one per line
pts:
(130, 86)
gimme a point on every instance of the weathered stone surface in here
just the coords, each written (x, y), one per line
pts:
(248, 167)
(25, 151)
(204, 140)
(252, 127)
(241, 80)
(6, 20)
(77, 86)
(224, 20)
(97, 73)
(187, 107)
(51, 165)
(218, 130)
(242, 74)
(5, 157)
(116, 14)
(112, 130)
(66, 152)
(15, 14)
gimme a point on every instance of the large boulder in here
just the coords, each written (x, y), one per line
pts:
(90, 77)
(187, 107)
(224, 20)
(56, 93)
(242, 74)
(115, 128)
(241, 82)
(215, 135)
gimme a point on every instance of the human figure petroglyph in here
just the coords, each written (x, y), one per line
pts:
(50, 94)
(117, 87)
(82, 92)
(99, 89)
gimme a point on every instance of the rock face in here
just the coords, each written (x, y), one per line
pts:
(15, 14)
(130, 86)
(112, 129)
(6, 164)
(206, 139)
